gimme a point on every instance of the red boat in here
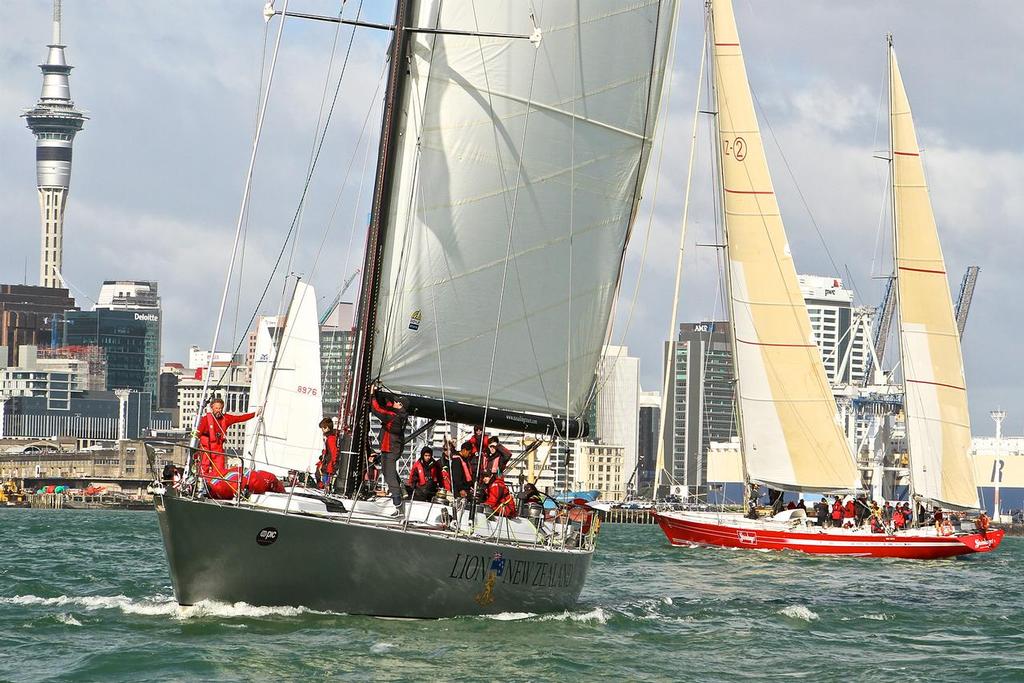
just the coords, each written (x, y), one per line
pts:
(788, 531)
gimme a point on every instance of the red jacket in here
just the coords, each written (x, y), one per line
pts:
(392, 425)
(476, 446)
(329, 455)
(420, 473)
(213, 431)
(851, 509)
(499, 499)
(496, 463)
(837, 510)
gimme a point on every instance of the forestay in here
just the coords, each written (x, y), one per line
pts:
(938, 422)
(544, 139)
(791, 434)
(286, 385)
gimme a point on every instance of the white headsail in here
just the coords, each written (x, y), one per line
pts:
(530, 148)
(938, 421)
(791, 433)
(286, 385)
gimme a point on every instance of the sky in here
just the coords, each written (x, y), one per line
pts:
(171, 93)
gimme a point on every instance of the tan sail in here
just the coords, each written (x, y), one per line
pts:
(938, 422)
(789, 424)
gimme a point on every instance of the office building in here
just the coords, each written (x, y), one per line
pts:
(200, 358)
(647, 444)
(47, 398)
(618, 404)
(599, 467)
(336, 343)
(54, 121)
(167, 389)
(126, 324)
(701, 403)
(30, 316)
(841, 330)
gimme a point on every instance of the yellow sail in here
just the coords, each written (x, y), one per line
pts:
(938, 423)
(789, 424)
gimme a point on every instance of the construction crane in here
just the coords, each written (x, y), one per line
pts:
(886, 311)
(888, 308)
(337, 298)
(963, 302)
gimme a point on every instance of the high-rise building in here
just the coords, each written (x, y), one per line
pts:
(54, 121)
(29, 316)
(841, 331)
(700, 403)
(336, 343)
(126, 324)
(647, 442)
(618, 404)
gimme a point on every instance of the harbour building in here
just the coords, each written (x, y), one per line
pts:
(54, 121)
(126, 324)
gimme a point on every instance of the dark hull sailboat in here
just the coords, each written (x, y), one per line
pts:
(232, 553)
(513, 144)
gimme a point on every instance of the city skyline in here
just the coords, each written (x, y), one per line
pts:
(170, 218)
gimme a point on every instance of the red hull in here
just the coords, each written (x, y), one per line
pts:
(687, 528)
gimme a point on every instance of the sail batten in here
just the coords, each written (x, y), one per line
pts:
(791, 434)
(520, 162)
(935, 404)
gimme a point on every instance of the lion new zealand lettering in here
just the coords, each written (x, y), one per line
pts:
(513, 572)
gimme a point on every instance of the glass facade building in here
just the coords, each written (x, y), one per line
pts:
(130, 339)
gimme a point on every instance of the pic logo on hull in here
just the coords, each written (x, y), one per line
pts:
(266, 536)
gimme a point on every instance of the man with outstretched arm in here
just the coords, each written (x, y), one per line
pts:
(212, 432)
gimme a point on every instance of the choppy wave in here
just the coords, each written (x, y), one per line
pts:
(381, 648)
(798, 612)
(594, 616)
(510, 616)
(68, 619)
(161, 605)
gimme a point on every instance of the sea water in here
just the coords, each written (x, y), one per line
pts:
(85, 595)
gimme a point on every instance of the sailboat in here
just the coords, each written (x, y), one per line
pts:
(513, 149)
(790, 432)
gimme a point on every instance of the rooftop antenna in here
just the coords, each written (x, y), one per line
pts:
(998, 416)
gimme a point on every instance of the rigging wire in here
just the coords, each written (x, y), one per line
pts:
(238, 226)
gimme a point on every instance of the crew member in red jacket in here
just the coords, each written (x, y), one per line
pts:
(393, 417)
(424, 475)
(498, 497)
(479, 438)
(329, 455)
(497, 457)
(212, 432)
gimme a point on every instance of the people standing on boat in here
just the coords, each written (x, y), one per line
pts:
(837, 512)
(822, 512)
(329, 455)
(393, 417)
(424, 475)
(498, 497)
(212, 432)
(887, 513)
(861, 510)
(850, 514)
(802, 505)
(497, 457)
(937, 517)
(478, 442)
(981, 524)
(899, 521)
(458, 477)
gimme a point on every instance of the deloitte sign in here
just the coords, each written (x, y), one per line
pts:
(148, 317)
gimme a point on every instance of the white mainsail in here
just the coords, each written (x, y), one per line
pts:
(286, 385)
(935, 403)
(544, 139)
(790, 429)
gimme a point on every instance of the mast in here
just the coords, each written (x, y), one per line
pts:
(357, 424)
(728, 265)
(896, 274)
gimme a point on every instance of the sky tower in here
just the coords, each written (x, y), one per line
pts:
(54, 121)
